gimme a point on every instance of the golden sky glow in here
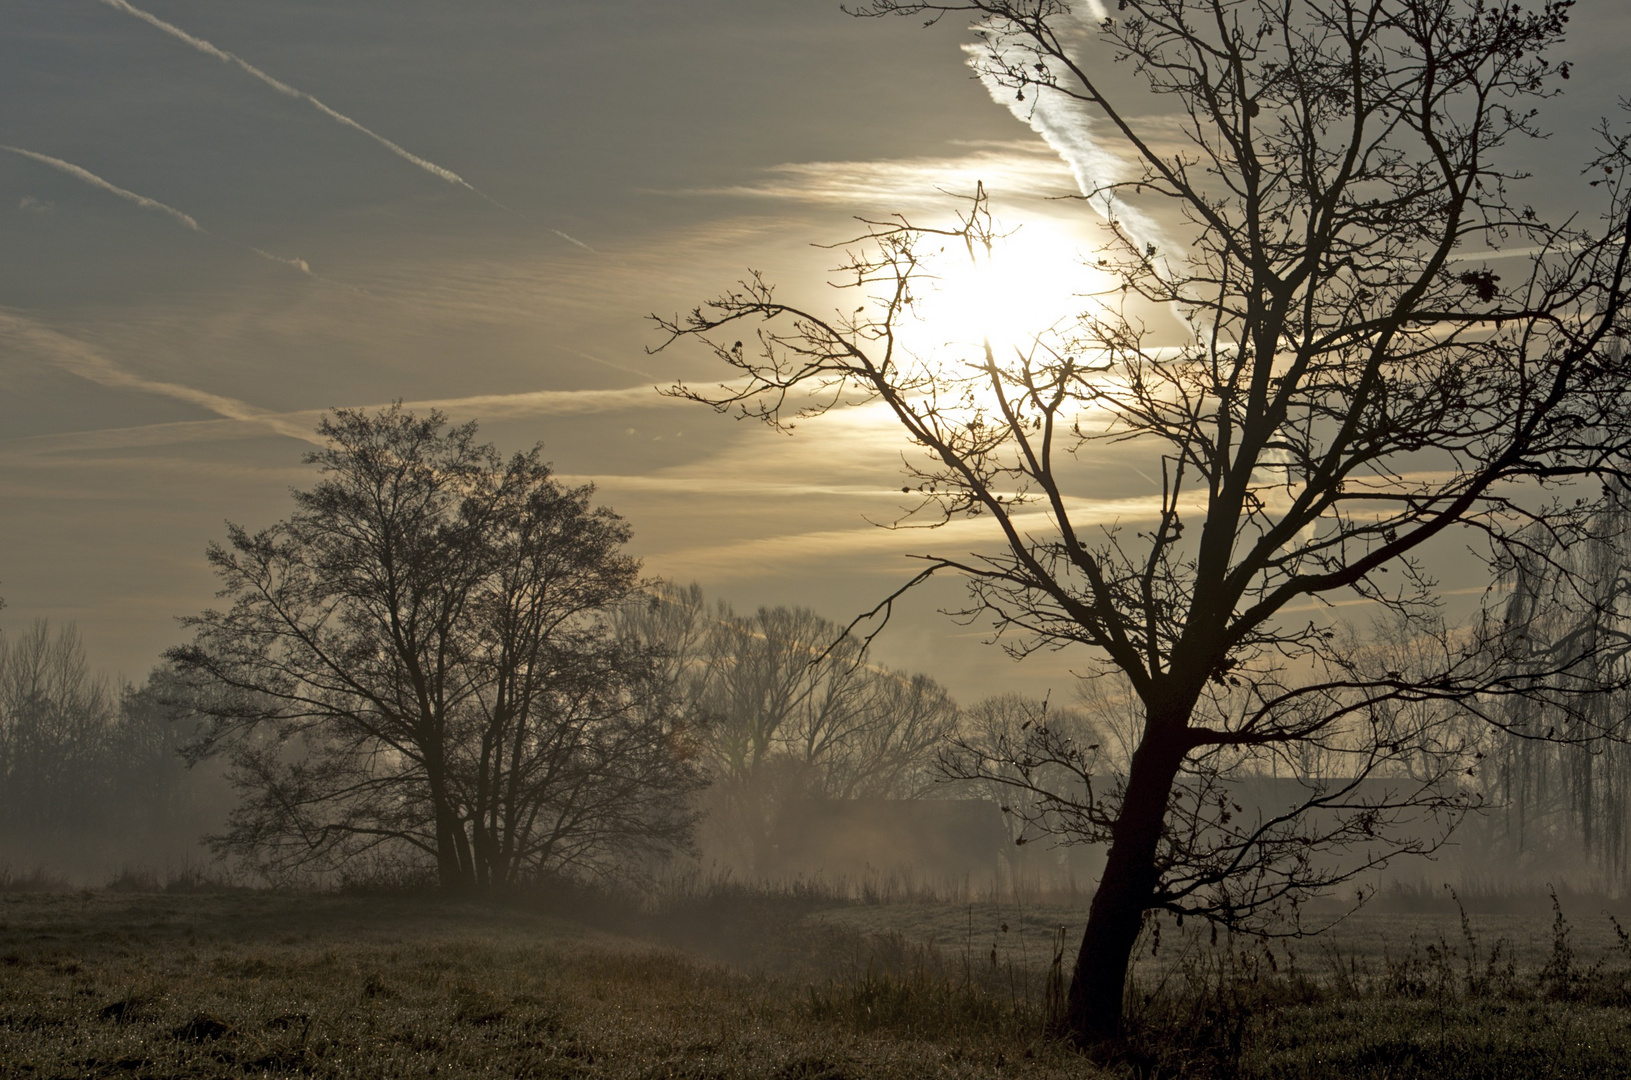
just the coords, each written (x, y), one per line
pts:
(158, 377)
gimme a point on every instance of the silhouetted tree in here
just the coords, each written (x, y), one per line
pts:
(420, 658)
(1323, 369)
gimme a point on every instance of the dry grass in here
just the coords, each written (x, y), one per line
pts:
(728, 981)
(247, 984)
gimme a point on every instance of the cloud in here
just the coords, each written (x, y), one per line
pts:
(240, 420)
(743, 559)
(551, 402)
(1013, 169)
(89, 363)
(299, 95)
(96, 181)
(669, 484)
(1492, 254)
(1065, 124)
(299, 264)
(33, 205)
(775, 555)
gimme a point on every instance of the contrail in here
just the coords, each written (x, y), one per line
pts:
(237, 419)
(90, 364)
(143, 201)
(572, 240)
(96, 181)
(1067, 127)
(610, 364)
(299, 95)
(299, 264)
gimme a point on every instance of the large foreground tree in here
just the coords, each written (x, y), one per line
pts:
(1298, 325)
(419, 663)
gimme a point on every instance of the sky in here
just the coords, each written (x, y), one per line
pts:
(219, 218)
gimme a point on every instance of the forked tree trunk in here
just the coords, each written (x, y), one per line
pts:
(1093, 1007)
(455, 866)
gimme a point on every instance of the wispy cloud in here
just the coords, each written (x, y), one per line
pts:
(776, 554)
(669, 484)
(111, 188)
(1013, 169)
(551, 402)
(769, 555)
(300, 95)
(80, 173)
(239, 419)
(299, 264)
(89, 363)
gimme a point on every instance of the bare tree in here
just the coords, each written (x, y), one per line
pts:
(57, 717)
(889, 751)
(784, 707)
(1351, 382)
(91, 778)
(420, 659)
(986, 754)
(1557, 791)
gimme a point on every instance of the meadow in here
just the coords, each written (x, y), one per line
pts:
(716, 980)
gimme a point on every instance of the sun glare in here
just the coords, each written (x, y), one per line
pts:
(1025, 293)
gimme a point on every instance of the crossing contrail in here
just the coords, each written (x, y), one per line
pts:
(113, 189)
(299, 95)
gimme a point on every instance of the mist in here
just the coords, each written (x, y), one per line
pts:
(95, 789)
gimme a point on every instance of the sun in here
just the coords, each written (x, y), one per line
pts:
(1026, 292)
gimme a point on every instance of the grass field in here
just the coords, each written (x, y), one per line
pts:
(727, 982)
(118, 984)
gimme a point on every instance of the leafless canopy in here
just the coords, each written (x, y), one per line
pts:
(418, 664)
(1327, 315)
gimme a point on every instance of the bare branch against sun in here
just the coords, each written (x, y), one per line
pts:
(1351, 385)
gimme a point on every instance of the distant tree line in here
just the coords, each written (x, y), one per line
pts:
(90, 777)
(1559, 782)
(788, 708)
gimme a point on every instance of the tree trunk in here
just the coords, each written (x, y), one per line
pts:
(453, 869)
(455, 866)
(1093, 1007)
